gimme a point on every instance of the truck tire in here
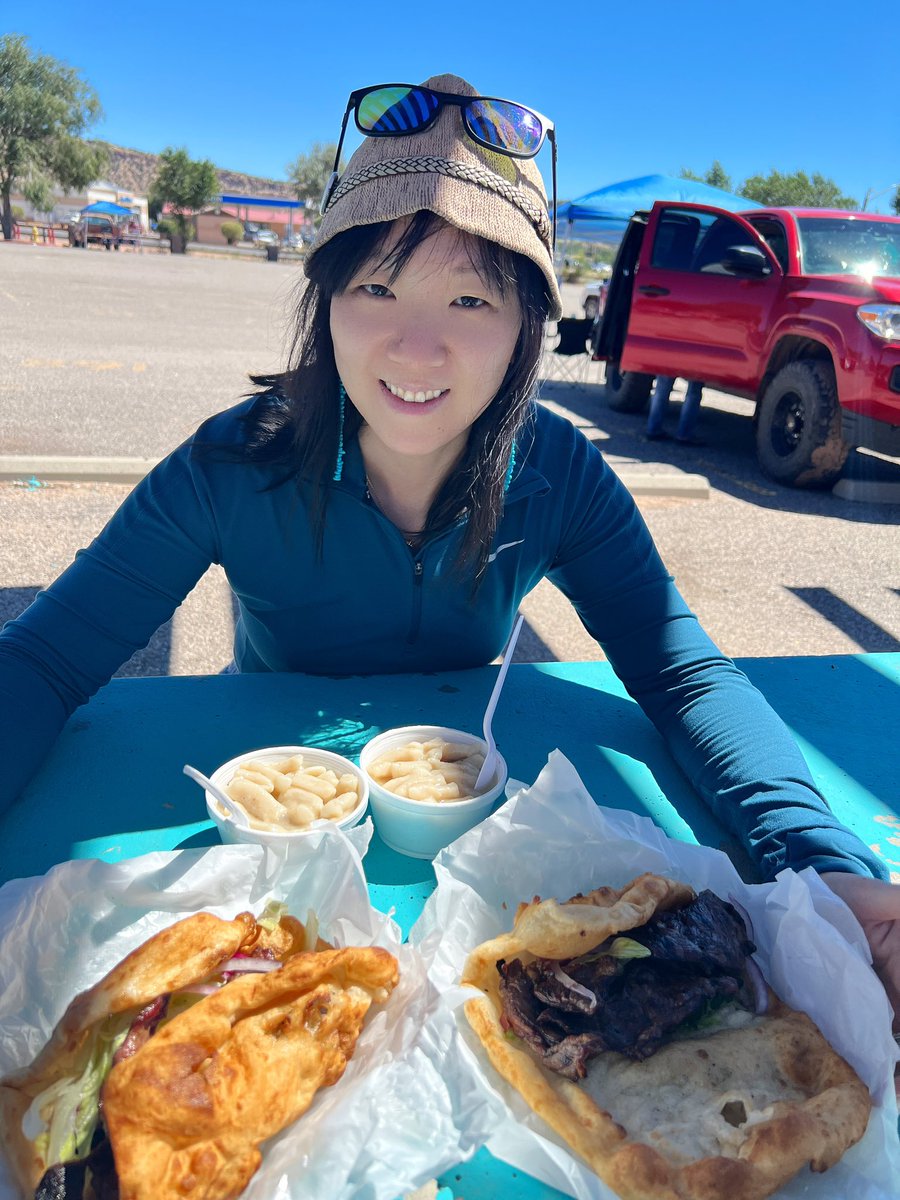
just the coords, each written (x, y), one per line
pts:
(627, 391)
(798, 427)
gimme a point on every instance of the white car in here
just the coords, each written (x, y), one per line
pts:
(593, 298)
(266, 237)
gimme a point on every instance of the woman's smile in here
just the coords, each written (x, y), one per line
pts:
(414, 395)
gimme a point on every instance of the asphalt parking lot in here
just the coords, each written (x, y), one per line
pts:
(123, 355)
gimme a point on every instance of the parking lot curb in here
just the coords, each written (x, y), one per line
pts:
(60, 468)
(72, 469)
(663, 482)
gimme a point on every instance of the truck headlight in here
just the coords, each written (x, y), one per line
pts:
(882, 319)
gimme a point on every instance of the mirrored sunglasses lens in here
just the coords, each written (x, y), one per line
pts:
(396, 110)
(506, 126)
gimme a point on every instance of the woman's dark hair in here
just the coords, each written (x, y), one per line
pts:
(293, 425)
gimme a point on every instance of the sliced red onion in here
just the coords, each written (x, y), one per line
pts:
(243, 965)
(760, 991)
(199, 989)
(745, 916)
(574, 986)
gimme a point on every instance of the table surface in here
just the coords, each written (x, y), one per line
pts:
(113, 786)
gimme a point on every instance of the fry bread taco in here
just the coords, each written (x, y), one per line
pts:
(163, 1078)
(635, 1023)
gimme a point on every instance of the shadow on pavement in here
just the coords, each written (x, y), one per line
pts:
(154, 659)
(728, 458)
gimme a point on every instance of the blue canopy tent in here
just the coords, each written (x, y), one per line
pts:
(618, 201)
(110, 209)
(603, 214)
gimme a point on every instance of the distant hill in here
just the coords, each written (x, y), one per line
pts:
(133, 171)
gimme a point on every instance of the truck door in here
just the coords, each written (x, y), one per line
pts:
(703, 289)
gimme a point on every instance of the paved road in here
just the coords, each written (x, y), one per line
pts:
(125, 354)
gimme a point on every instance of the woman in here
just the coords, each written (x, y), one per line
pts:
(385, 504)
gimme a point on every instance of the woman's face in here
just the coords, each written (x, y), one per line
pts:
(421, 356)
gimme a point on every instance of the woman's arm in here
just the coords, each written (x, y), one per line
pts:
(106, 605)
(726, 738)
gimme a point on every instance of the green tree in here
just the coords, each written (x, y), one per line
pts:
(183, 183)
(309, 173)
(716, 176)
(896, 202)
(797, 189)
(44, 108)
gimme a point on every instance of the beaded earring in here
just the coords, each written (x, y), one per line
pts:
(510, 469)
(339, 465)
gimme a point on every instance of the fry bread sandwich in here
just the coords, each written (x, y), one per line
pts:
(162, 1079)
(636, 1024)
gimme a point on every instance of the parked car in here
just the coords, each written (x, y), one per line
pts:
(797, 309)
(294, 240)
(251, 231)
(266, 237)
(593, 298)
(94, 227)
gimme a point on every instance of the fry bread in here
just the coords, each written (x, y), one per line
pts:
(172, 959)
(185, 1121)
(724, 1115)
(186, 1114)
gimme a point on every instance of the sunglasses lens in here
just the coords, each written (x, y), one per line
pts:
(395, 110)
(506, 126)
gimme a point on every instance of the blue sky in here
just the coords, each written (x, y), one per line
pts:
(793, 86)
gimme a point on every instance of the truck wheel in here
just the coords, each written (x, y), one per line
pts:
(798, 427)
(591, 307)
(627, 391)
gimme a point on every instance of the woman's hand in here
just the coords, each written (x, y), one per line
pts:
(876, 905)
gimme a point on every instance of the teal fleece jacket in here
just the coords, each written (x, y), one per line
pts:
(369, 605)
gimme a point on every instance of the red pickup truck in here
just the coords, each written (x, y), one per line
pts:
(797, 309)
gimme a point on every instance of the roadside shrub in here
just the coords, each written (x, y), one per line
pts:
(167, 226)
(232, 231)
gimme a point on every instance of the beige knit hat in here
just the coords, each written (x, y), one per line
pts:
(498, 198)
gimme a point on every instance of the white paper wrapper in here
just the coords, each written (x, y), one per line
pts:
(392, 1121)
(552, 840)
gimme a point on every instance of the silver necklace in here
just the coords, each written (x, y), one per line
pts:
(410, 536)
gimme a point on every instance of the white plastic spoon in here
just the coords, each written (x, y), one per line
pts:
(490, 759)
(234, 811)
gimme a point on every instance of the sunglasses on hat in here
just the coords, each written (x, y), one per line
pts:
(399, 109)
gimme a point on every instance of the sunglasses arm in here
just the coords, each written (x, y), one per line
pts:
(552, 137)
(334, 176)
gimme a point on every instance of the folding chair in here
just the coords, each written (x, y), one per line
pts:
(571, 353)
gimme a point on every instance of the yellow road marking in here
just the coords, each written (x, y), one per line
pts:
(86, 364)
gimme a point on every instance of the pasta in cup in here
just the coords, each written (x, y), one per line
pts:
(284, 789)
(421, 782)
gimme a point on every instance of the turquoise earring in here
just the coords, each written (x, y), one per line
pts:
(339, 465)
(510, 469)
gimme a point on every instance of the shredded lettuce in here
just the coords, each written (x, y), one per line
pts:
(71, 1106)
(271, 915)
(626, 947)
(620, 948)
(311, 931)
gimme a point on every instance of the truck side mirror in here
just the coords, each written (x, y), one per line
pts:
(746, 260)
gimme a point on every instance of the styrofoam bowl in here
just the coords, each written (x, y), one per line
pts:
(420, 828)
(231, 833)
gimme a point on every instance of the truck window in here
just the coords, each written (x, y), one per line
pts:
(774, 234)
(677, 234)
(722, 236)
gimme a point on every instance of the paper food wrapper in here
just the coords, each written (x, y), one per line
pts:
(551, 840)
(403, 1110)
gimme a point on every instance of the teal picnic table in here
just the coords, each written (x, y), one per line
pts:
(113, 786)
